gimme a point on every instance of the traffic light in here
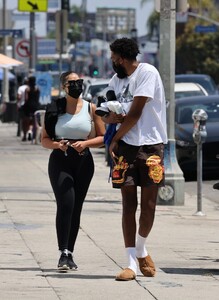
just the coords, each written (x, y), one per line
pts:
(65, 4)
(93, 70)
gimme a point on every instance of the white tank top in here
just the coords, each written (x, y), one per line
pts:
(74, 127)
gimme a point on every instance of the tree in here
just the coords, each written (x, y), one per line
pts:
(75, 28)
(198, 52)
(153, 20)
(195, 52)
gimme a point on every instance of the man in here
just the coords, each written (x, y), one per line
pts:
(137, 149)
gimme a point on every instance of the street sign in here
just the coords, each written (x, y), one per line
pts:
(12, 32)
(22, 52)
(23, 48)
(33, 5)
(206, 29)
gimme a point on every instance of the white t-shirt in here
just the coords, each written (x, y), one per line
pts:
(21, 93)
(145, 81)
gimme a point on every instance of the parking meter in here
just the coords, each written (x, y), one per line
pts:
(199, 117)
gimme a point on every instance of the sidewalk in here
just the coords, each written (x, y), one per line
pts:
(185, 247)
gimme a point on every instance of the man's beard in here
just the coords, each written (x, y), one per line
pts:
(120, 71)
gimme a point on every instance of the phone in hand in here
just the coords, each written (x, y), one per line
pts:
(65, 142)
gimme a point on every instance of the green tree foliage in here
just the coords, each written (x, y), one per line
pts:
(198, 52)
(75, 28)
(153, 20)
(195, 52)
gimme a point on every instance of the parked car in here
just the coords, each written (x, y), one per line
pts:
(186, 149)
(92, 87)
(204, 80)
(187, 89)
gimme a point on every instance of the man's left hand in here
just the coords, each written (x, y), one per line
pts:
(113, 150)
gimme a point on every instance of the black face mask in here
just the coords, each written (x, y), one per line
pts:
(75, 88)
(120, 70)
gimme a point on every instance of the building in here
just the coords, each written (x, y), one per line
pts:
(114, 22)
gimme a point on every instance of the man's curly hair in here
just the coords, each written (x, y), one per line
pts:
(125, 47)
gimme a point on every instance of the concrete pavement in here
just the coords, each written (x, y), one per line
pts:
(185, 247)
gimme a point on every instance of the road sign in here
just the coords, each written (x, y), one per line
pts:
(23, 48)
(206, 29)
(33, 5)
(12, 32)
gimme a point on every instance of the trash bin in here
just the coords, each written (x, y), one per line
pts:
(10, 114)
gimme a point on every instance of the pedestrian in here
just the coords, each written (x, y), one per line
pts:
(31, 104)
(71, 167)
(20, 103)
(137, 149)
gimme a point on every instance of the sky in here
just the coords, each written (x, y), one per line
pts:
(142, 13)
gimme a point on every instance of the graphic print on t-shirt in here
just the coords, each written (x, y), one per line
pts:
(125, 96)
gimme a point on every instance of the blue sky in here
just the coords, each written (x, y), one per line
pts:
(142, 13)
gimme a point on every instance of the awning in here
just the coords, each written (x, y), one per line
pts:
(8, 62)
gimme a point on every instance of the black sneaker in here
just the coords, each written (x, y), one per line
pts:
(72, 265)
(29, 136)
(63, 262)
(216, 186)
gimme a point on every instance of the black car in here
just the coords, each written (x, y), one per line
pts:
(186, 149)
(203, 79)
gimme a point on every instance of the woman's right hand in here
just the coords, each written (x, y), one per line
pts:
(63, 145)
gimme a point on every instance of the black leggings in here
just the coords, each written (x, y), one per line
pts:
(70, 177)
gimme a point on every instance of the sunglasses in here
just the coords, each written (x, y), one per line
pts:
(75, 82)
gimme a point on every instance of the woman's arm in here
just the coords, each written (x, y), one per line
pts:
(48, 143)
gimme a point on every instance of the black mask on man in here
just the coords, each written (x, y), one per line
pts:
(120, 70)
(75, 88)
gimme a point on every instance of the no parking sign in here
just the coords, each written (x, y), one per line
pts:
(22, 50)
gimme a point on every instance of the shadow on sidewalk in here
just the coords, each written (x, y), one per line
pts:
(53, 273)
(191, 271)
(70, 274)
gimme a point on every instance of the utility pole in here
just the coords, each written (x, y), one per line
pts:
(32, 60)
(83, 19)
(173, 192)
(5, 87)
(61, 32)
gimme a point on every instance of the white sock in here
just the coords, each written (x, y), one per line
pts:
(131, 255)
(141, 250)
(64, 251)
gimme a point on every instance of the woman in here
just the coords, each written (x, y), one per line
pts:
(31, 104)
(71, 167)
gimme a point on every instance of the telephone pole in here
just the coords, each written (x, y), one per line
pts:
(5, 86)
(173, 192)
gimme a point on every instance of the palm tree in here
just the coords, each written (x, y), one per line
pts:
(152, 22)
